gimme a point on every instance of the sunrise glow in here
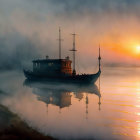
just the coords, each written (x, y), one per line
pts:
(138, 49)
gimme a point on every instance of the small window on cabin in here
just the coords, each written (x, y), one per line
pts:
(50, 64)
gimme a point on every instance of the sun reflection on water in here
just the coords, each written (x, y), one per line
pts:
(138, 113)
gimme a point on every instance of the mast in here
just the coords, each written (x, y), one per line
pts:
(60, 42)
(73, 50)
(99, 58)
(99, 103)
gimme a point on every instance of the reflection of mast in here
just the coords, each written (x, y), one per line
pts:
(74, 50)
(47, 108)
(99, 103)
(87, 105)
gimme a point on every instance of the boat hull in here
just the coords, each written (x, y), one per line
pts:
(79, 79)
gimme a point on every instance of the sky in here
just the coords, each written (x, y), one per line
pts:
(29, 30)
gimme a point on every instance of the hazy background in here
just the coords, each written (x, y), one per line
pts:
(29, 30)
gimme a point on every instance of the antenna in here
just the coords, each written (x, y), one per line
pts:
(74, 50)
(99, 58)
(60, 40)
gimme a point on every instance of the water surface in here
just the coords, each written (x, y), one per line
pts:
(108, 111)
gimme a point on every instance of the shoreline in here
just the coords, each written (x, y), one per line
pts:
(12, 127)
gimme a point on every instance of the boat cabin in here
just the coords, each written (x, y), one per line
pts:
(53, 67)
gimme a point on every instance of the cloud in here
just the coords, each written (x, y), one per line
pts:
(29, 28)
(97, 6)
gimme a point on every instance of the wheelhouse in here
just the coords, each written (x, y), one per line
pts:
(53, 66)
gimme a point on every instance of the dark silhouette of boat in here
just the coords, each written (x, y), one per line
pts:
(59, 70)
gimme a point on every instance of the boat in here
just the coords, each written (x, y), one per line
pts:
(60, 70)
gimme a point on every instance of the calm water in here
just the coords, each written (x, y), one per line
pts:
(71, 112)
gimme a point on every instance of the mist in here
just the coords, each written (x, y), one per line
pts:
(29, 30)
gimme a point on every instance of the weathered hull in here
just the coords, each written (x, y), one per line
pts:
(79, 79)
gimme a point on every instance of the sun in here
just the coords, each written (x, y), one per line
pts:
(138, 49)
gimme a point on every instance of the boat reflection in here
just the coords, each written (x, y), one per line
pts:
(60, 94)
